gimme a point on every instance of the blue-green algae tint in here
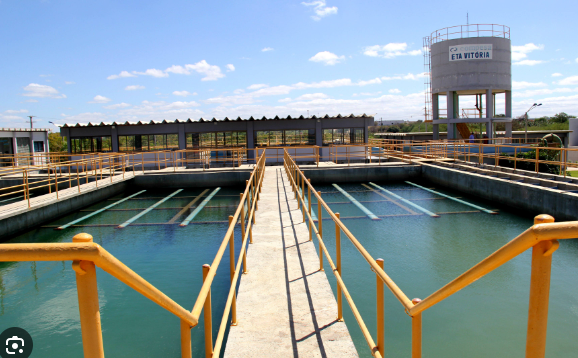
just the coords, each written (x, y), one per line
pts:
(422, 254)
(41, 297)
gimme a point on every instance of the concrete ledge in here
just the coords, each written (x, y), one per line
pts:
(198, 179)
(22, 221)
(362, 173)
(519, 196)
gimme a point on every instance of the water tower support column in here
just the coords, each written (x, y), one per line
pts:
(450, 110)
(508, 113)
(489, 106)
(436, 115)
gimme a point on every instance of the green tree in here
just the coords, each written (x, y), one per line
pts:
(560, 118)
(57, 143)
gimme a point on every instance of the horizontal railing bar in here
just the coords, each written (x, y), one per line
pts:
(101, 258)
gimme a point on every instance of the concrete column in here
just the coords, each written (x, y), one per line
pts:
(489, 131)
(508, 130)
(318, 133)
(451, 131)
(436, 131)
(250, 139)
(182, 136)
(68, 140)
(450, 97)
(46, 142)
(114, 138)
(451, 114)
(489, 103)
(435, 106)
(508, 104)
(573, 136)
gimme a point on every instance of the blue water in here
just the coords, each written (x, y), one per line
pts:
(422, 254)
(41, 296)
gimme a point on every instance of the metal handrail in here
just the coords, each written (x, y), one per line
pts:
(86, 255)
(541, 237)
(464, 31)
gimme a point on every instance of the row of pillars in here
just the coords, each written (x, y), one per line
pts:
(453, 113)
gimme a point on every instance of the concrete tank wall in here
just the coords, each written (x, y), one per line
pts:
(471, 74)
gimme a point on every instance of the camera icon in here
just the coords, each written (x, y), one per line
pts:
(14, 345)
(16, 342)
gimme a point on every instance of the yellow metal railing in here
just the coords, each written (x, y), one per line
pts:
(541, 237)
(86, 255)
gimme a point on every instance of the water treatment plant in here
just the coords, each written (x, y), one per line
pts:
(300, 236)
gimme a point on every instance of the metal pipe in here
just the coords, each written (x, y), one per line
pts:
(186, 348)
(380, 311)
(539, 293)
(320, 223)
(88, 307)
(232, 269)
(208, 317)
(338, 261)
(416, 332)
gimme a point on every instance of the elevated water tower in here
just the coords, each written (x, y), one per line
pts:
(470, 60)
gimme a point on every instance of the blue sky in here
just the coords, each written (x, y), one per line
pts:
(80, 61)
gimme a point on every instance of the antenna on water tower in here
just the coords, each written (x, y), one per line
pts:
(468, 18)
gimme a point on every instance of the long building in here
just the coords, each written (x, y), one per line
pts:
(227, 133)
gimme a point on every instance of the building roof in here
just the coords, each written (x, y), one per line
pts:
(25, 130)
(204, 120)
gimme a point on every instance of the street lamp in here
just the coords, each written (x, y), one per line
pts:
(526, 121)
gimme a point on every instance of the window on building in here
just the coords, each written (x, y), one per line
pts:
(217, 139)
(150, 142)
(287, 137)
(38, 146)
(90, 145)
(338, 136)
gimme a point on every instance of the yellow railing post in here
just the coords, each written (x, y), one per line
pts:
(380, 311)
(320, 221)
(186, 348)
(232, 264)
(309, 208)
(243, 232)
(539, 293)
(87, 289)
(208, 316)
(416, 332)
(338, 261)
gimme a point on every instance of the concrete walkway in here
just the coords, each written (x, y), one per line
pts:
(285, 306)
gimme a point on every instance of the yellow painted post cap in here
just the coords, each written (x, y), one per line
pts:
(83, 237)
(543, 219)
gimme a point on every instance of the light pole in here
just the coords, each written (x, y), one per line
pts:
(526, 121)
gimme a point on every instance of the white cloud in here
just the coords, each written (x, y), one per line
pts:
(134, 87)
(391, 50)
(31, 100)
(100, 99)
(46, 75)
(123, 74)
(257, 86)
(556, 74)
(14, 111)
(70, 83)
(327, 58)
(543, 91)
(520, 53)
(284, 100)
(311, 96)
(409, 76)
(394, 90)
(369, 82)
(528, 62)
(84, 117)
(230, 68)
(523, 84)
(569, 81)
(321, 9)
(42, 91)
(576, 59)
(153, 72)
(184, 93)
(211, 72)
(267, 49)
(366, 94)
(117, 106)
